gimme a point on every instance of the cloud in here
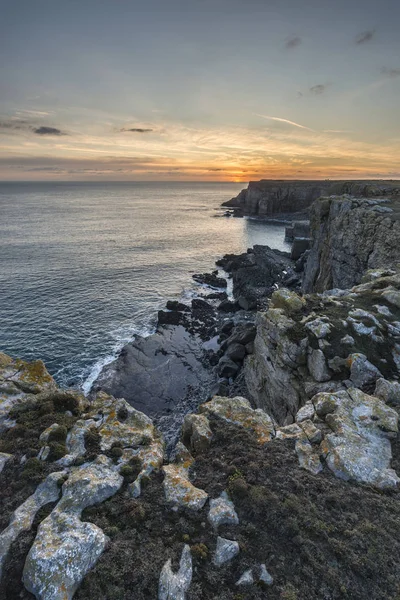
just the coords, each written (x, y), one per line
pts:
(337, 131)
(317, 90)
(365, 36)
(284, 121)
(137, 130)
(47, 131)
(390, 72)
(293, 42)
(13, 125)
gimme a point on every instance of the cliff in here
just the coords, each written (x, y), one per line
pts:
(92, 508)
(274, 197)
(350, 235)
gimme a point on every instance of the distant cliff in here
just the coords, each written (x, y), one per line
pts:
(271, 197)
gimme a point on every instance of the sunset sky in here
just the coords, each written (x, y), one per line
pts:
(223, 90)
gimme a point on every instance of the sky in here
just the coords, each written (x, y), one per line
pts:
(214, 90)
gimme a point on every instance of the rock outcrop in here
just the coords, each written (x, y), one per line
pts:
(349, 236)
(269, 197)
(325, 343)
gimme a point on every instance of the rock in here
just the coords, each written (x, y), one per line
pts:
(239, 412)
(318, 327)
(228, 306)
(225, 552)
(66, 547)
(362, 372)
(314, 435)
(18, 378)
(227, 327)
(179, 491)
(288, 432)
(271, 373)
(388, 391)
(23, 517)
(288, 301)
(317, 365)
(269, 197)
(227, 368)
(171, 318)
(359, 448)
(243, 334)
(177, 306)
(196, 429)
(210, 279)
(247, 302)
(246, 579)
(306, 412)
(349, 237)
(157, 372)
(4, 458)
(236, 352)
(222, 512)
(307, 455)
(256, 272)
(393, 297)
(299, 246)
(265, 576)
(173, 586)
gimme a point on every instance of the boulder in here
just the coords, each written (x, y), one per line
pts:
(236, 352)
(222, 512)
(65, 548)
(239, 412)
(359, 448)
(173, 586)
(196, 430)
(179, 491)
(225, 552)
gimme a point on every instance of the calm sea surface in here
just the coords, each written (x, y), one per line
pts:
(84, 267)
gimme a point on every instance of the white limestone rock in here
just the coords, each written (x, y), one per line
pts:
(173, 586)
(179, 491)
(225, 552)
(246, 579)
(222, 512)
(48, 491)
(239, 412)
(359, 448)
(65, 548)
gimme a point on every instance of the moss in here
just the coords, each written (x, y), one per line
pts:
(57, 451)
(33, 469)
(116, 452)
(58, 434)
(200, 551)
(127, 471)
(289, 592)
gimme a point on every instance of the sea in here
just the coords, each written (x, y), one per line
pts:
(84, 267)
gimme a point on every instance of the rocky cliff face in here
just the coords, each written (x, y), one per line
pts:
(349, 236)
(311, 344)
(269, 197)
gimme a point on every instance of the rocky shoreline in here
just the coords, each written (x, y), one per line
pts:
(249, 448)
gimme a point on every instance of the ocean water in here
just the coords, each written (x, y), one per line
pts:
(84, 267)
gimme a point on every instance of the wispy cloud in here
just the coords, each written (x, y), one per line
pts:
(48, 131)
(317, 90)
(390, 72)
(365, 36)
(280, 120)
(337, 131)
(137, 130)
(293, 42)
